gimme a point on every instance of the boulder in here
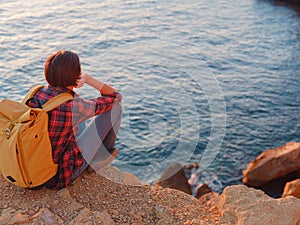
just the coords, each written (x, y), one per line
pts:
(114, 174)
(274, 188)
(244, 205)
(202, 190)
(272, 164)
(292, 188)
(174, 178)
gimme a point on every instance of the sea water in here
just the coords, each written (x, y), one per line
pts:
(211, 82)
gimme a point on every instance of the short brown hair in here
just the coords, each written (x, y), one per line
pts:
(62, 69)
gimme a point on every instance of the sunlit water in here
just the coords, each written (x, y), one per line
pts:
(175, 62)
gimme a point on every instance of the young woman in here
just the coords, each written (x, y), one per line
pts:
(72, 151)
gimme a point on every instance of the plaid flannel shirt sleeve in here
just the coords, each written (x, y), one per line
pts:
(84, 109)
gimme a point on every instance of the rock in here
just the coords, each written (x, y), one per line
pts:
(274, 188)
(92, 217)
(45, 216)
(196, 165)
(192, 222)
(105, 217)
(74, 206)
(114, 174)
(212, 200)
(130, 179)
(292, 189)
(163, 214)
(191, 166)
(64, 193)
(11, 216)
(71, 204)
(174, 178)
(272, 164)
(188, 166)
(93, 199)
(202, 190)
(243, 205)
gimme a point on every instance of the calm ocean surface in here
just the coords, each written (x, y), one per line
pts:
(213, 82)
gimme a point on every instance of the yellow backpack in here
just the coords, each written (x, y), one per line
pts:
(25, 147)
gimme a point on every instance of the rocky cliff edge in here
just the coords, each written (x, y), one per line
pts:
(122, 199)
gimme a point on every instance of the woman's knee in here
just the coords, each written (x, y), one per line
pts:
(114, 114)
(117, 108)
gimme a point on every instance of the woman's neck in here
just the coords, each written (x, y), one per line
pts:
(70, 88)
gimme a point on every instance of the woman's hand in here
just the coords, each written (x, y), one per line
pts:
(103, 88)
(81, 81)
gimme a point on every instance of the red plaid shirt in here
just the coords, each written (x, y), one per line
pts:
(63, 127)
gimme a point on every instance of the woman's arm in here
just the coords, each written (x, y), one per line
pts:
(103, 88)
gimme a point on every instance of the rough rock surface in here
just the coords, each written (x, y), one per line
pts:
(292, 188)
(247, 206)
(94, 199)
(174, 177)
(272, 164)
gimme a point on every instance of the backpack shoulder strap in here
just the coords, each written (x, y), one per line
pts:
(31, 93)
(56, 101)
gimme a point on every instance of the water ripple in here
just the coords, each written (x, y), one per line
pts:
(251, 46)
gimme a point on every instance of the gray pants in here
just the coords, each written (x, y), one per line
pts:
(98, 138)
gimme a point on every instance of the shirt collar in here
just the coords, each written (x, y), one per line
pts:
(62, 90)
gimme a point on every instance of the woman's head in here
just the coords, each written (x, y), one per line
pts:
(62, 69)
